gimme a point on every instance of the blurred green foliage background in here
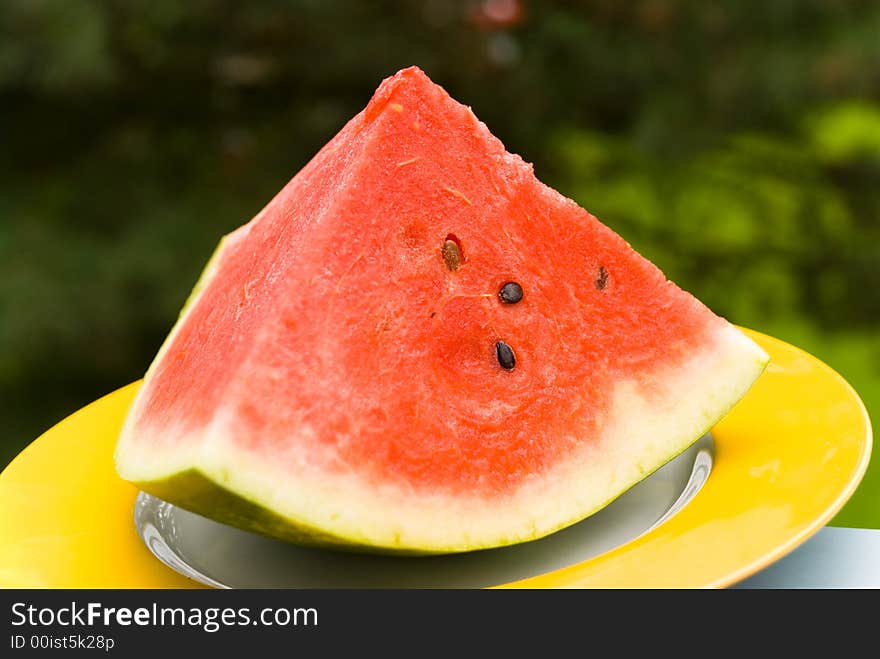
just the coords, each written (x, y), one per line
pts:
(736, 144)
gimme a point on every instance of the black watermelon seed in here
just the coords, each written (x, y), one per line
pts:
(511, 293)
(505, 355)
(602, 279)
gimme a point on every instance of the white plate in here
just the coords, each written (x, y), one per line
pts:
(225, 557)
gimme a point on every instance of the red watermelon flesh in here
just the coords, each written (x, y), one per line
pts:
(335, 379)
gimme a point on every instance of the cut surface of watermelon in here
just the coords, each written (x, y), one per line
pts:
(351, 369)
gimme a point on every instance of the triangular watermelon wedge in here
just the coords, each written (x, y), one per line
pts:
(416, 346)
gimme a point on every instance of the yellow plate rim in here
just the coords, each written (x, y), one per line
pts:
(834, 507)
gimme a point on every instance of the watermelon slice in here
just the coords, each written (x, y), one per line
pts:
(416, 346)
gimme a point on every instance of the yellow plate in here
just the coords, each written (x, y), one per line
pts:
(787, 457)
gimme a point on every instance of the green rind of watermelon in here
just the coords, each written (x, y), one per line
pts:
(198, 492)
